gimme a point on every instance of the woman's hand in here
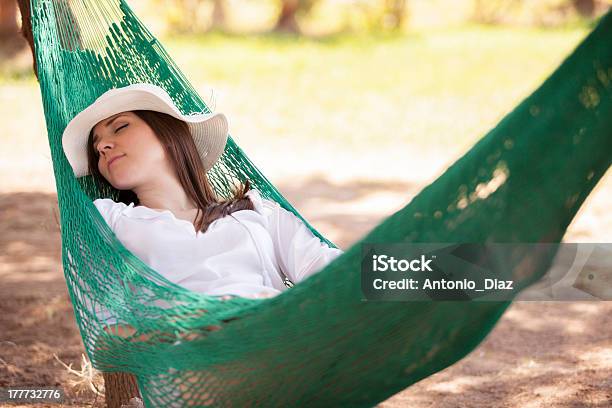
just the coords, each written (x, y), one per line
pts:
(127, 331)
(262, 295)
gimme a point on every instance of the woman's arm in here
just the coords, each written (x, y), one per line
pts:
(299, 252)
(128, 332)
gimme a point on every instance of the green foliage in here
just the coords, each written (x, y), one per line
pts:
(539, 13)
(467, 76)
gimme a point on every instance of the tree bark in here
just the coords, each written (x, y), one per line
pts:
(286, 20)
(8, 19)
(218, 14)
(396, 9)
(120, 387)
(11, 42)
(586, 8)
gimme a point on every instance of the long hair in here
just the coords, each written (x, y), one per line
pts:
(179, 146)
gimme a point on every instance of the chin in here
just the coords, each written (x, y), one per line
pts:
(122, 184)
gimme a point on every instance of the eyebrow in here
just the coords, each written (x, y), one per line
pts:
(108, 122)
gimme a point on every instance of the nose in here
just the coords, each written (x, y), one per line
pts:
(105, 144)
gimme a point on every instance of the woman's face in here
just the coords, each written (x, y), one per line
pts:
(129, 153)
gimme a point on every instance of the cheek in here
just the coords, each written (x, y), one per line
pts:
(145, 152)
(101, 168)
(151, 153)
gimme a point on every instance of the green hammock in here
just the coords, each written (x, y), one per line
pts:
(318, 343)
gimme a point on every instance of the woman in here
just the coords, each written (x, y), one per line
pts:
(135, 139)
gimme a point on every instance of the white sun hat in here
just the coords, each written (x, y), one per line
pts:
(209, 130)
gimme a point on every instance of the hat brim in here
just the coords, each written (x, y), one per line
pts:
(209, 130)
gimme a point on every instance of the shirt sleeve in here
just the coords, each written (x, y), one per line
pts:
(109, 209)
(299, 252)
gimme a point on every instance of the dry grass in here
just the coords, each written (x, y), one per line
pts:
(85, 380)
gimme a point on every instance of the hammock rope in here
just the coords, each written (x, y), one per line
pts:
(318, 343)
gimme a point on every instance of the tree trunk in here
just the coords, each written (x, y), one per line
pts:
(586, 8)
(26, 28)
(218, 15)
(286, 21)
(11, 43)
(8, 19)
(120, 387)
(395, 10)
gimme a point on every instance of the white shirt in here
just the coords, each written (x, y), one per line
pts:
(239, 254)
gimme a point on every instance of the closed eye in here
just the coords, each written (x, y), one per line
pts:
(96, 151)
(96, 145)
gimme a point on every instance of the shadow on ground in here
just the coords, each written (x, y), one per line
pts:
(541, 354)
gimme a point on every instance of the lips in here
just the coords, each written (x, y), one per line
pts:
(114, 159)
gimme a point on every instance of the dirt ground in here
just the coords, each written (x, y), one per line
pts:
(541, 354)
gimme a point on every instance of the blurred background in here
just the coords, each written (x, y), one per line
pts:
(356, 102)
(349, 107)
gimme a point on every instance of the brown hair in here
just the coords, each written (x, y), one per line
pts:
(179, 146)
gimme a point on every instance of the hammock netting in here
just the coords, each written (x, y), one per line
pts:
(318, 343)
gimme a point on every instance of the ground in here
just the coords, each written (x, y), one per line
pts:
(541, 354)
